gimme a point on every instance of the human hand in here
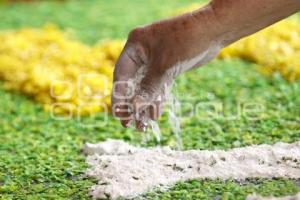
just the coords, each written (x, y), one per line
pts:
(153, 57)
(163, 50)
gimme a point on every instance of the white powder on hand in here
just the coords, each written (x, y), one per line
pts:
(126, 171)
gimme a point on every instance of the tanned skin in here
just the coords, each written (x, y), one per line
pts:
(170, 47)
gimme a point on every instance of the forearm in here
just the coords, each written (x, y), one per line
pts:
(217, 25)
(239, 18)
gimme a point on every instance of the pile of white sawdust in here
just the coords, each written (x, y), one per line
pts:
(257, 197)
(126, 171)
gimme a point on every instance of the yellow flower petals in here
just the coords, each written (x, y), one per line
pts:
(273, 50)
(63, 74)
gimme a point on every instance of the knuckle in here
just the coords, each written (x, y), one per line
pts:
(148, 89)
(136, 33)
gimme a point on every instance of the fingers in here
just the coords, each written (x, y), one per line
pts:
(145, 113)
(138, 103)
(148, 100)
(123, 89)
(156, 111)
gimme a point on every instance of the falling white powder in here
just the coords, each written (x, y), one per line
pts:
(257, 197)
(174, 120)
(165, 95)
(126, 171)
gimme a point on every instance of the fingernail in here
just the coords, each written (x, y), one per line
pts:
(128, 124)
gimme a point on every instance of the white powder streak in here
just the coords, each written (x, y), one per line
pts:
(127, 171)
(257, 197)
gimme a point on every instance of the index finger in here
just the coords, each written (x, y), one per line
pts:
(123, 88)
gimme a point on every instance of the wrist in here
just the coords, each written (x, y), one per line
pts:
(238, 18)
(210, 24)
